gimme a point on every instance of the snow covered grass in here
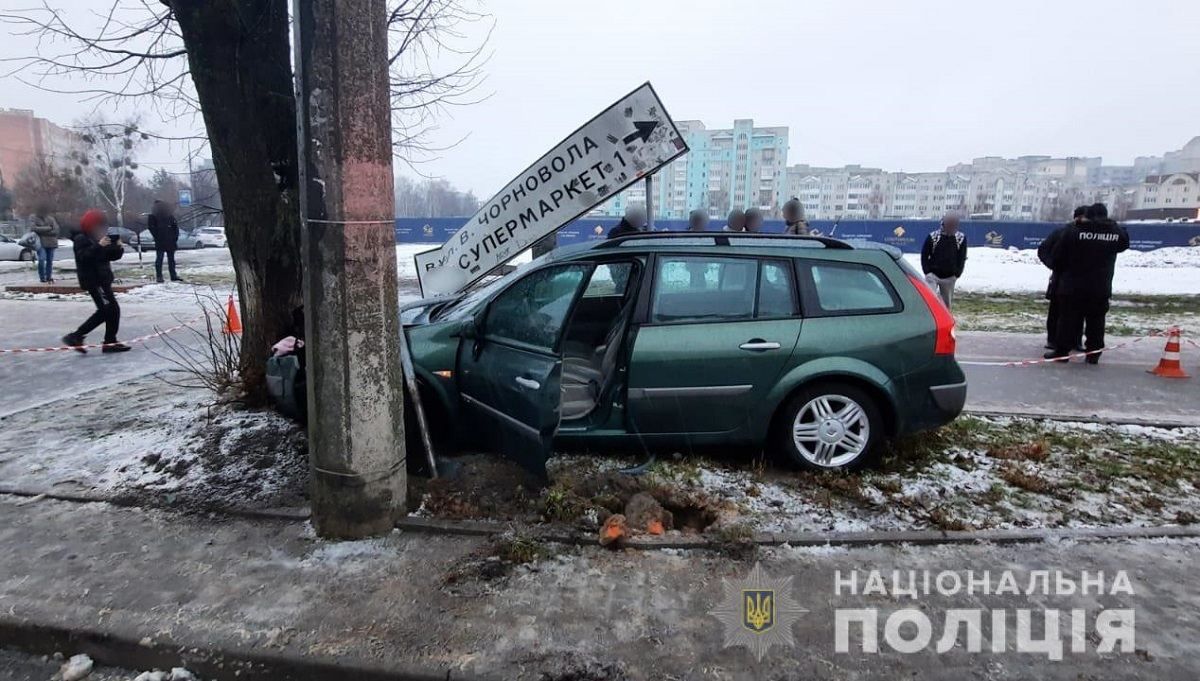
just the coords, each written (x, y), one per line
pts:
(1166, 271)
(976, 473)
(1130, 315)
(149, 444)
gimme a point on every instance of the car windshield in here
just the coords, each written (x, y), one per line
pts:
(466, 305)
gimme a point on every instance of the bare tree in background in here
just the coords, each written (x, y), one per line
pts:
(108, 158)
(230, 60)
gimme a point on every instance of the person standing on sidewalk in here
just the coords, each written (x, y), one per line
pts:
(1086, 258)
(943, 258)
(165, 229)
(43, 224)
(94, 253)
(698, 221)
(1045, 251)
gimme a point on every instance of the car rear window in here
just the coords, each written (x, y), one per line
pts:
(847, 288)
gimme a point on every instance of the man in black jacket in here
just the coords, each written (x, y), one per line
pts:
(633, 223)
(94, 253)
(943, 257)
(165, 229)
(1045, 251)
(1085, 258)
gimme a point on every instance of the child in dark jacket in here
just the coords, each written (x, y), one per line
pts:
(94, 253)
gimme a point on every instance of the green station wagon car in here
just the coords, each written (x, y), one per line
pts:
(810, 346)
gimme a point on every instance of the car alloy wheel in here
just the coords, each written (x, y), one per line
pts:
(830, 426)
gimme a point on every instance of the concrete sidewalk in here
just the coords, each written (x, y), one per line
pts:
(202, 586)
(1118, 389)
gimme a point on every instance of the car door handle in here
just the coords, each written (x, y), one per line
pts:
(759, 344)
(527, 383)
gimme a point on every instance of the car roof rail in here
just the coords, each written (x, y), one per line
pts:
(722, 238)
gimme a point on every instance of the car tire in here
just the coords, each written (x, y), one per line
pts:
(199, 245)
(830, 426)
(25, 255)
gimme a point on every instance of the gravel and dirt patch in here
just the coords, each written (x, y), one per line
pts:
(977, 473)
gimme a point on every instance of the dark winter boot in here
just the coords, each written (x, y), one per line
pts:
(115, 347)
(74, 340)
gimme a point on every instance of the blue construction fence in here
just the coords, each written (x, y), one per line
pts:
(907, 235)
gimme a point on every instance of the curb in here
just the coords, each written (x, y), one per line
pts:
(847, 539)
(1102, 420)
(470, 528)
(223, 664)
(261, 514)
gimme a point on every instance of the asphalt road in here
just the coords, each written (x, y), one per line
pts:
(32, 379)
(1118, 389)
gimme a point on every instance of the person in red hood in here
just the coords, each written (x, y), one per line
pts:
(94, 253)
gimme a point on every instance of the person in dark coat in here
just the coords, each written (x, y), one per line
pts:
(943, 258)
(736, 221)
(1085, 259)
(754, 220)
(94, 253)
(165, 229)
(1045, 250)
(698, 221)
(633, 223)
(793, 218)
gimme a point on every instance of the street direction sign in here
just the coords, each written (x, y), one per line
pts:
(624, 143)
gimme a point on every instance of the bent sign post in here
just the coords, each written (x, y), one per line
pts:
(624, 143)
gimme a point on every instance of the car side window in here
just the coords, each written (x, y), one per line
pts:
(532, 311)
(704, 288)
(609, 279)
(776, 291)
(847, 289)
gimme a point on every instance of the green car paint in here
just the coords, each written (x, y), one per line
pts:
(720, 335)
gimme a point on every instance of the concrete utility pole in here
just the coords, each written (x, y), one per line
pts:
(355, 392)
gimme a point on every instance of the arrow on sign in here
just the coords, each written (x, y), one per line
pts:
(644, 128)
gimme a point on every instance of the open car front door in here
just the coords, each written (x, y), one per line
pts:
(510, 368)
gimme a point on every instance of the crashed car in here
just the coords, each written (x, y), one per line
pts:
(816, 348)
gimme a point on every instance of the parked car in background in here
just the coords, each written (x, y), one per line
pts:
(812, 347)
(11, 250)
(211, 237)
(187, 241)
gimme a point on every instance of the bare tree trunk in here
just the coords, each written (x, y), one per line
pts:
(239, 57)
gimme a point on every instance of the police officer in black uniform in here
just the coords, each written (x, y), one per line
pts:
(1045, 253)
(1084, 260)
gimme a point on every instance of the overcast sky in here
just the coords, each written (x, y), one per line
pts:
(913, 85)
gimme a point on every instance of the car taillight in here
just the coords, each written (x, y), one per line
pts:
(945, 341)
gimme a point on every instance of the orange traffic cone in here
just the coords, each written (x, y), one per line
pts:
(1168, 366)
(233, 323)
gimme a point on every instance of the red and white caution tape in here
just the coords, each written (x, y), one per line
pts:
(1070, 356)
(132, 341)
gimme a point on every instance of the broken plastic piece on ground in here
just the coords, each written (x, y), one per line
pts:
(640, 468)
(613, 530)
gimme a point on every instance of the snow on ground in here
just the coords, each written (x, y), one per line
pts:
(1166, 271)
(977, 473)
(151, 444)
